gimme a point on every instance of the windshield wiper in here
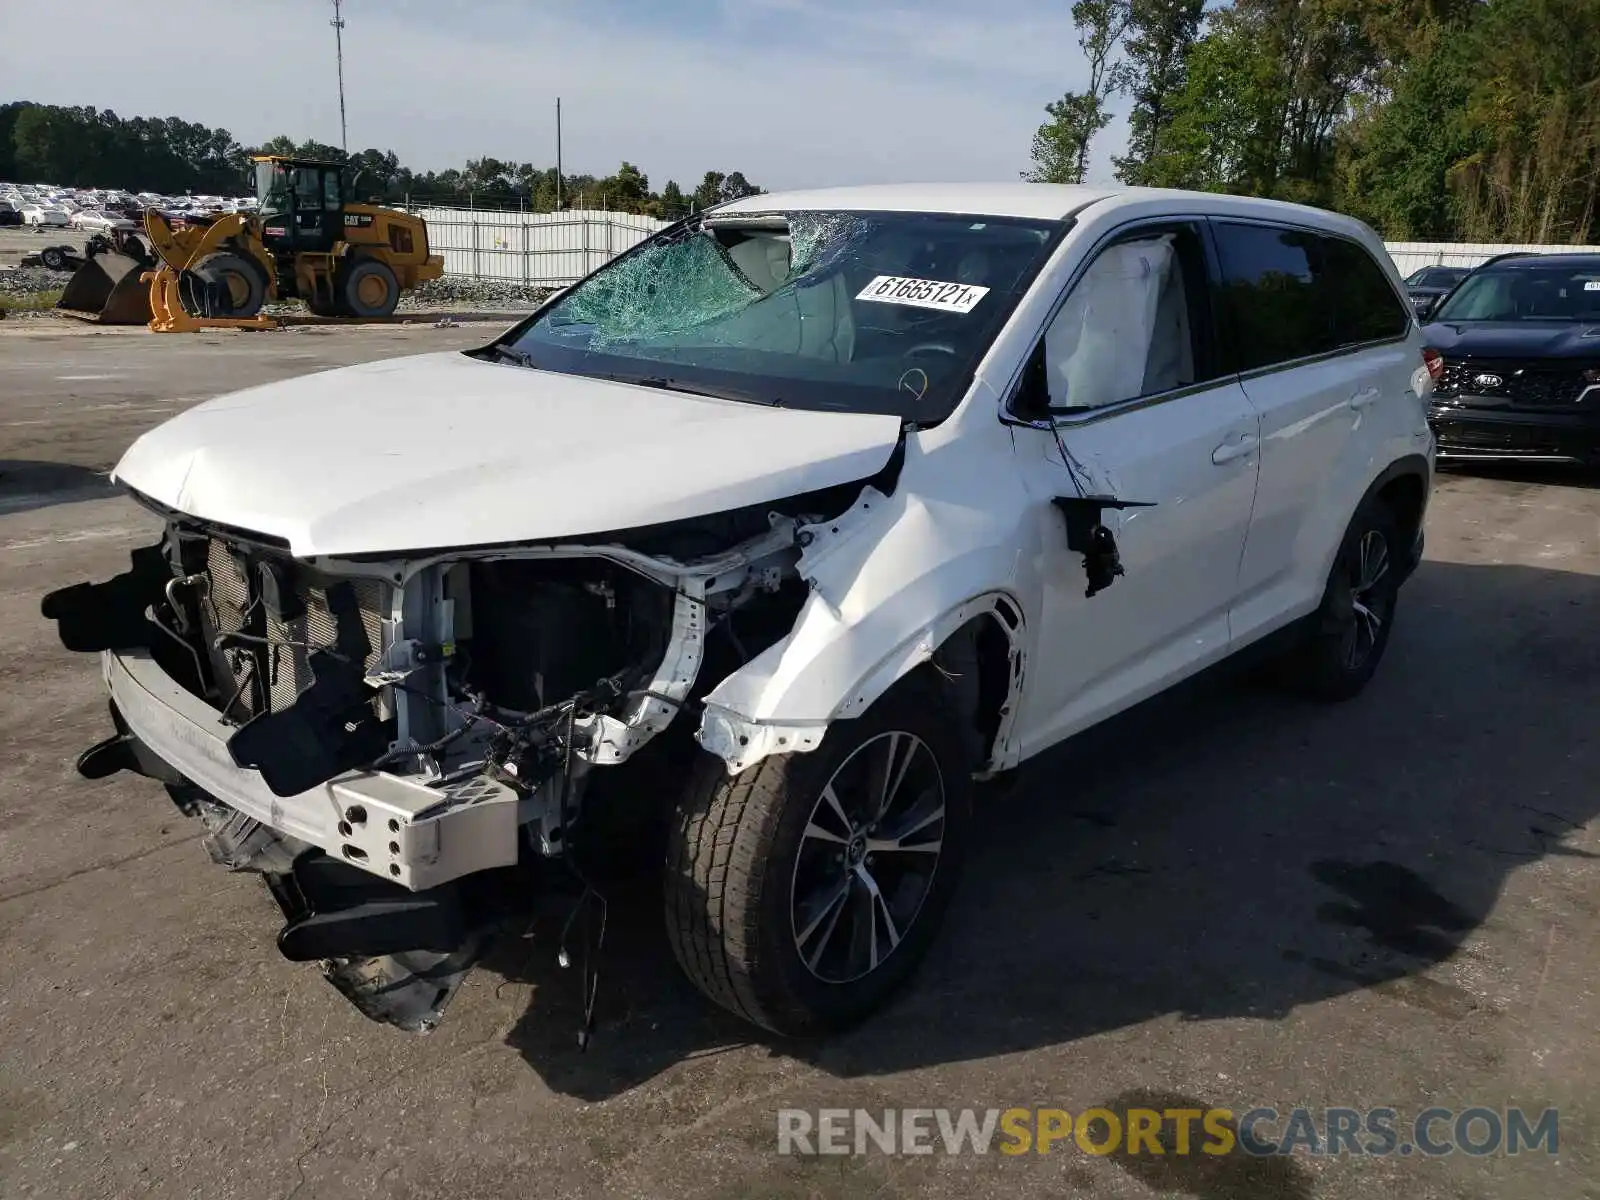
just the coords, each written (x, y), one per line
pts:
(521, 357)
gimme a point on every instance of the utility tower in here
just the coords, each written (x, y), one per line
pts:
(338, 50)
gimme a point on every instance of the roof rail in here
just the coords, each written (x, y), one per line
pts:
(1507, 254)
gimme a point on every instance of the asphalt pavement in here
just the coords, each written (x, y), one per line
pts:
(1226, 898)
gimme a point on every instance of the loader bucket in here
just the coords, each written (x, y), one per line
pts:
(107, 289)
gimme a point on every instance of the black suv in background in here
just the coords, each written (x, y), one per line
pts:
(1520, 338)
(1428, 285)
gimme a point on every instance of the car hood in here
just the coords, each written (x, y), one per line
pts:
(445, 450)
(1514, 339)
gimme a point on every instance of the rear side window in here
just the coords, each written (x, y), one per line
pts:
(1274, 297)
(1291, 293)
(1365, 307)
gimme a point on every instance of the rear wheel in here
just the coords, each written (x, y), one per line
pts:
(1350, 631)
(369, 289)
(234, 285)
(802, 891)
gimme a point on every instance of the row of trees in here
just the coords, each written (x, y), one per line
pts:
(80, 147)
(1431, 119)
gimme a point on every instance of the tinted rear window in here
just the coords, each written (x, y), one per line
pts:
(1274, 299)
(1365, 307)
(1291, 293)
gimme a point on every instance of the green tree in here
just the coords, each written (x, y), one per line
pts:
(1061, 144)
(737, 187)
(710, 190)
(1265, 89)
(674, 203)
(1160, 35)
(626, 191)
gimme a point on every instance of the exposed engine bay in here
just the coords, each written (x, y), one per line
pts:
(426, 731)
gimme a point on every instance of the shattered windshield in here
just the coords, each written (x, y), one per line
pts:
(853, 311)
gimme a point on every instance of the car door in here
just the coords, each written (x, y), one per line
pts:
(1139, 408)
(1319, 340)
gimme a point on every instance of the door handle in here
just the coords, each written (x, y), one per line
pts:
(1363, 398)
(1229, 451)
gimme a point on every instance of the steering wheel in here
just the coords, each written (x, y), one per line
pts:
(932, 348)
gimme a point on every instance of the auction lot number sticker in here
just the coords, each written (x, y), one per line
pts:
(923, 293)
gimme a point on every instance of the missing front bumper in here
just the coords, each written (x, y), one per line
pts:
(395, 828)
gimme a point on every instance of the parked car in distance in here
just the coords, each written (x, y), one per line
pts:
(39, 216)
(1520, 341)
(10, 213)
(100, 221)
(1427, 286)
(759, 546)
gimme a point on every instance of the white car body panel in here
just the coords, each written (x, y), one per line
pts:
(1328, 429)
(476, 453)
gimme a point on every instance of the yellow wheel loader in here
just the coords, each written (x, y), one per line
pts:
(308, 240)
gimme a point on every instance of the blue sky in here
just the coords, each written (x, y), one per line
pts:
(791, 92)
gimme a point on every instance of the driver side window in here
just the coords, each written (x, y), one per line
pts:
(1127, 329)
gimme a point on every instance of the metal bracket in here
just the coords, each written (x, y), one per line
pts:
(402, 658)
(1088, 536)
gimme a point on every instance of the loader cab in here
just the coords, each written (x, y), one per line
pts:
(301, 204)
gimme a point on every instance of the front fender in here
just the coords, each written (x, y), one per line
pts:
(891, 580)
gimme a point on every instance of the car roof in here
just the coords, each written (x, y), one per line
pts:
(1576, 260)
(1036, 201)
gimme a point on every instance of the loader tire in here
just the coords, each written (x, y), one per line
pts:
(234, 285)
(54, 257)
(369, 289)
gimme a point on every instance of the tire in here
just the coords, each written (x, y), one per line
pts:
(1341, 653)
(754, 914)
(369, 289)
(52, 257)
(235, 286)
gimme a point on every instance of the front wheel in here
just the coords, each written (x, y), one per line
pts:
(1350, 631)
(52, 257)
(235, 286)
(802, 891)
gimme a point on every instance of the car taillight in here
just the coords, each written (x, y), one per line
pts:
(1434, 361)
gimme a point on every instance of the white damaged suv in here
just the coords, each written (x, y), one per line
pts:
(755, 549)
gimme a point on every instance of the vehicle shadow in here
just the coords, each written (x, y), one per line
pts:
(1223, 851)
(1569, 475)
(26, 485)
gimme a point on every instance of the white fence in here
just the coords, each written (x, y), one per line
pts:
(548, 249)
(1408, 256)
(554, 249)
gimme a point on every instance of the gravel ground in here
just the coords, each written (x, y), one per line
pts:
(25, 280)
(481, 293)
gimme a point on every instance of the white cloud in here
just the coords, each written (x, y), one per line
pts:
(792, 92)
